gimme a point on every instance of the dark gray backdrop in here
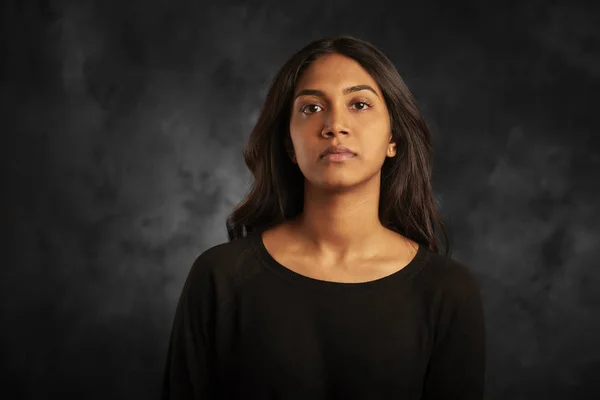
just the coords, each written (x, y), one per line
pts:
(121, 156)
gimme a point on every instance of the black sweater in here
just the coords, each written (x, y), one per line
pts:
(247, 327)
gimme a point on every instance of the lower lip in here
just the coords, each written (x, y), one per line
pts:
(338, 156)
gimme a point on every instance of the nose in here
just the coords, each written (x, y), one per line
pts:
(335, 123)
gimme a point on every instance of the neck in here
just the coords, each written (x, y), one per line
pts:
(337, 226)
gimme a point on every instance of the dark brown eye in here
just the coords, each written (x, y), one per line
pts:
(364, 103)
(306, 107)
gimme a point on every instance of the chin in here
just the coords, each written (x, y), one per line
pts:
(337, 178)
(335, 183)
(340, 180)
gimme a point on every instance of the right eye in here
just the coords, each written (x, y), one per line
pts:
(306, 107)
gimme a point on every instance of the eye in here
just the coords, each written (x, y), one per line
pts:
(303, 109)
(363, 103)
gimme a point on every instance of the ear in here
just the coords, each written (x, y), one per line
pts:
(391, 150)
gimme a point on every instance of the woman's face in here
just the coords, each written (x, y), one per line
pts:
(326, 113)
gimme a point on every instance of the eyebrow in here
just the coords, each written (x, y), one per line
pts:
(315, 92)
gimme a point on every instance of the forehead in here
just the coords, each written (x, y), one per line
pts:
(335, 71)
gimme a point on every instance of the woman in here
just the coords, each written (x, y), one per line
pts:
(332, 284)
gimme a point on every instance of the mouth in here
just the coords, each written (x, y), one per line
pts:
(338, 151)
(338, 156)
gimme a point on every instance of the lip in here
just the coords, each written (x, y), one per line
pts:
(337, 151)
(338, 156)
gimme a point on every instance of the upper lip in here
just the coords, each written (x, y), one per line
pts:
(336, 150)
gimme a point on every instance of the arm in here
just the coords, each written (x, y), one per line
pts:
(188, 372)
(456, 368)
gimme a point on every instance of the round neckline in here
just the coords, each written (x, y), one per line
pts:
(390, 280)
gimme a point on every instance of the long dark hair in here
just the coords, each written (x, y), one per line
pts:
(407, 203)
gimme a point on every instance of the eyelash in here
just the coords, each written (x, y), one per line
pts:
(362, 101)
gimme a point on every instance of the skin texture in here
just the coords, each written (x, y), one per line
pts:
(338, 235)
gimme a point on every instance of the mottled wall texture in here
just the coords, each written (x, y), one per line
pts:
(122, 131)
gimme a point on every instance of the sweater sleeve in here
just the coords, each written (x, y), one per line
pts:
(456, 368)
(188, 371)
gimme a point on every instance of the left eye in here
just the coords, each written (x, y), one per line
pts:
(363, 103)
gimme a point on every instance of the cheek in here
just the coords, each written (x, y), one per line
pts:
(303, 132)
(374, 126)
(299, 142)
(377, 123)
(375, 153)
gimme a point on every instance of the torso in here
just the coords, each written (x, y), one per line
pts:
(282, 246)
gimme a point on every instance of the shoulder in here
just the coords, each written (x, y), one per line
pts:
(452, 292)
(221, 266)
(226, 253)
(450, 278)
